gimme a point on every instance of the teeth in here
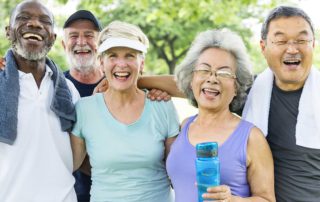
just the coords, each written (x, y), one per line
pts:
(211, 90)
(121, 74)
(81, 51)
(291, 62)
(28, 35)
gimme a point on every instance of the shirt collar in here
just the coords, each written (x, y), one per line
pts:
(48, 72)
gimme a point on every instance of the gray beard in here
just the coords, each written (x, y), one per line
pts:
(81, 64)
(33, 56)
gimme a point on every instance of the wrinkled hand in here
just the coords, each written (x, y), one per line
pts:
(101, 87)
(220, 193)
(159, 95)
(2, 63)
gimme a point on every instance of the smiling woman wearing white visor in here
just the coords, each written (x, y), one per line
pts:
(125, 134)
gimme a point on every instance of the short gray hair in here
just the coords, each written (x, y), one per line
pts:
(222, 39)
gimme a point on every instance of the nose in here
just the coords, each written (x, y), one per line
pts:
(34, 22)
(121, 62)
(81, 40)
(212, 78)
(292, 48)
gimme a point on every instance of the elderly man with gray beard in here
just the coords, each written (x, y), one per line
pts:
(36, 112)
(80, 38)
(81, 32)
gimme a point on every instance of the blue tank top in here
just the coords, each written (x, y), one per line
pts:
(233, 164)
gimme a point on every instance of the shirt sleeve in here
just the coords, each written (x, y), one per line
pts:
(172, 120)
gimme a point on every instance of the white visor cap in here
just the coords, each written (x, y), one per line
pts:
(121, 42)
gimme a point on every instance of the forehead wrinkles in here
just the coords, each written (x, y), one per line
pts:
(292, 26)
(76, 31)
(217, 57)
(31, 8)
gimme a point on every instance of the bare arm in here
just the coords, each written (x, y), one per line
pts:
(164, 82)
(161, 87)
(260, 173)
(85, 166)
(2, 63)
(78, 151)
(260, 167)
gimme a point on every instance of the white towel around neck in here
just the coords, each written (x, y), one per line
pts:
(256, 109)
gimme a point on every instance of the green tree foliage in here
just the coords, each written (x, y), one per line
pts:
(6, 8)
(171, 25)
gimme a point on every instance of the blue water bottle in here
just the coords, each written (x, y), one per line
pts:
(207, 167)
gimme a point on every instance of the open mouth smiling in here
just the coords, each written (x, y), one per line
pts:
(82, 51)
(32, 36)
(121, 75)
(292, 62)
(210, 91)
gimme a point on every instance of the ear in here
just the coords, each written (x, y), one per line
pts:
(235, 88)
(263, 45)
(101, 63)
(313, 42)
(190, 84)
(141, 66)
(63, 44)
(54, 36)
(8, 32)
(52, 39)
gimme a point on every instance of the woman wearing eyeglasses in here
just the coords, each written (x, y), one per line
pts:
(215, 76)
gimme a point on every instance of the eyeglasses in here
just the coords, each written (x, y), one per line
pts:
(286, 43)
(220, 73)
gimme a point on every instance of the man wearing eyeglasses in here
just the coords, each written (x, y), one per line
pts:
(284, 103)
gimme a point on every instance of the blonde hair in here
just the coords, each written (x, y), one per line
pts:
(125, 30)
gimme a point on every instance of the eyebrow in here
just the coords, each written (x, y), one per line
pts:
(78, 32)
(108, 52)
(279, 33)
(303, 32)
(42, 16)
(224, 67)
(221, 67)
(203, 63)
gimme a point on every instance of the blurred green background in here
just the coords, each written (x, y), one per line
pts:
(170, 25)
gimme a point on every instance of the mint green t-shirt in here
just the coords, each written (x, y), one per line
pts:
(127, 160)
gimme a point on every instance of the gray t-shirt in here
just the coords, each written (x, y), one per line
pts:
(297, 169)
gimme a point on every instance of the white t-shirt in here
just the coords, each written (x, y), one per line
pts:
(38, 166)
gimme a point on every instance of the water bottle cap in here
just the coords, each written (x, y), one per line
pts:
(207, 149)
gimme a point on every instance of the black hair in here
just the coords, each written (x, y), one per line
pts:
(283, 11)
